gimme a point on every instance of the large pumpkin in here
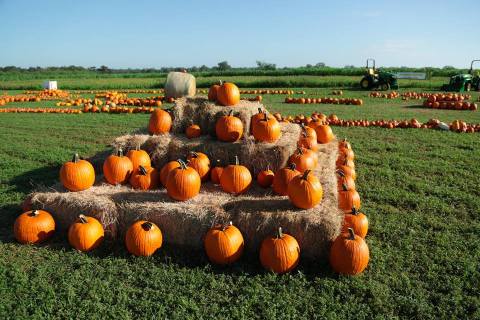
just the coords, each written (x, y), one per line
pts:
(77, 175)
(139, 158)
(228, 94)
(34, 226)
(160, 122)
(304, 159)
(324, 133)
(200, 162)
(349, 253)
(224, 244)
(357, 221)
(265, 177)
(117, 168)
(86, 233)
(280, 253)
(183, 183)
(282, 178)
(305, 191)
(216, 172)
(143, 238)
(166, 170)
(266, 129)
(145, 178)
(229, 128)
(235, 178)
(348, 199)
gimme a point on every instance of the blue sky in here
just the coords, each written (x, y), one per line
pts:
(145, 33)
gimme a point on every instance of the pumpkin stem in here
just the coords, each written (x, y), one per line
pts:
(226, 225)
(268, 167)
(344, 187)
(183, 165)
(120, 152)
(299, 151)
(34, 213)
(237, 162)
(341, 173)
(147, 226)
(292, 166)
(259, 110)
(83, 218)
(75, 158)
(265, 117)
(279, 233)
(351, 234)
(137, 147)
(142, 170)
(193, 154)
(218, 163)
(230, 113)
(354, 211)
(305, 174)
(220, 82)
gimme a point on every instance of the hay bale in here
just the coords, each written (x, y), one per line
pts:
(257, 213)
(180, 84)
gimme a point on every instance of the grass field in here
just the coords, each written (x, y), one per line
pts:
(419, 188)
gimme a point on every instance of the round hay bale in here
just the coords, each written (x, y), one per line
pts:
(180, 84)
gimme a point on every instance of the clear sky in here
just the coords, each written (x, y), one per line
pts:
(141, 33)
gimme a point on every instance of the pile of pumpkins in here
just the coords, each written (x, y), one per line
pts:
(390, 95)
(450, 101)
(40, 110)
(325, 100)
(337, 93)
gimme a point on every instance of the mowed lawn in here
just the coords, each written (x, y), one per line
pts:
(419, 188)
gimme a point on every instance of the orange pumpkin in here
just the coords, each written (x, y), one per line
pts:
(324, 133)
(183, 183)
(216, 172)
(229, 128)
(228, 94)
(255, 118)
(305, 191)
(224, 244)
(342, 179)
(117, 168)
(349, 253)
(166, 170)
(304, 159)
(77, 175)
(357, 221)
(145, 178)
(235, 178)
(348, 199)
(200, 162)
(348, 171)
(160, 122)
(86, 233)
(344, 144)
(34, 226)
(139, 158)
(307, 142)
(280, 253)
(193, 131)
(266, 129)
(143, 238)
(265, 177)
(282, 178)
(213, 92)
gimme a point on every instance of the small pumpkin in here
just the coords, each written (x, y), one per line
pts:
(34, 226)
(216, 172)
(200, 162)
(145, 178)
(348, 171)
(303, 159)
(193, 131)
(309, 131)
(183, 183)
(357, 221)
(229, 128)
(283, 177)
(280, 253)
(117, 168)
(324, 133)
(224, 244)
(343, 179)
(266, 129)
(255, 118)
(345, 162)
(348, 199)
(307, 142)
(139, 158)
(235, 178)
(213, 92)
(166, 170)
(305, 190)
(228, 94)
(349, 253)
(344, 144)
(143, 238)
(265, 177)
(86, 233)
(77, 175)
(160, 122)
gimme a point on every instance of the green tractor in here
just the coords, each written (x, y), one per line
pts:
(378, 79)
(464, 82)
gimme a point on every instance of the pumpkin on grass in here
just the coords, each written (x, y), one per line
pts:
(266, 129)
(143, 238)
(357, 221)
(349, 253)
(145, 178)
(166, 170)
(228, 94)
(348, 199)
(200, 162)
(265, 177)
(280, 253)
(183, 183)
(77, 175)
(235, 178)
(139, 158)
(216, 172)
(305, 190)
(282, 178)
(86, 233)
(224, 244)
(34, 226)
(160, 122)
(303, 159)
(117, 168)
(229, 128)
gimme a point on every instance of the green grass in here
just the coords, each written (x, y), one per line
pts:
(419, 188)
